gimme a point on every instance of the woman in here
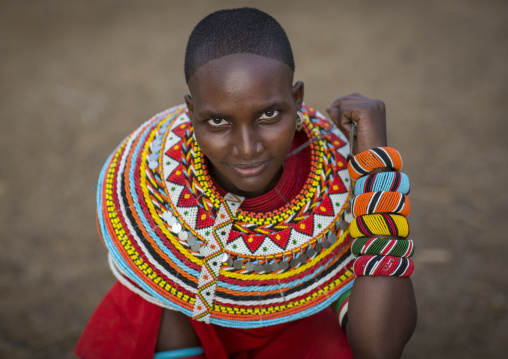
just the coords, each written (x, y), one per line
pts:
(227, 219)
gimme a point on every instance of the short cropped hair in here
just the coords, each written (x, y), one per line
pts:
(232, 31)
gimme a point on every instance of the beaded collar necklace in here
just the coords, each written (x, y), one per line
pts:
(178, 242)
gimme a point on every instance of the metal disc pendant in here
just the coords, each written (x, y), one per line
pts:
(154, 156)
(311, 252)
(177, 227)
(230, 262)
(238, 264)
(157, 146)
(294, 262)
(249, 266)
(303, 258)
(349, 217)
(267, 267)
(196, 247)
(343, 225)
(224, 258)
(258, 268)
(191, 240)
(202, 251)
(318, 248)
(274, 266)
(332, 238)
(283, 265)
(326, 244)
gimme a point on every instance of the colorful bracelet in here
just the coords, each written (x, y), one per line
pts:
(378, 157)
(380, 202)
(383, 266)
(179, 353)
(379, 225)
(383, 181)
(342, 308)
(383, 246)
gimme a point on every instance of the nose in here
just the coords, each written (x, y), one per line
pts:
(247, 143)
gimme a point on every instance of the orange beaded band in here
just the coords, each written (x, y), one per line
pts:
(378, 157)
(381, 202)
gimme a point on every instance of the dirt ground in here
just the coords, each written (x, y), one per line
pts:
(77, 76)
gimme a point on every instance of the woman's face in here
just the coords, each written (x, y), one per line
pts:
(243, 110)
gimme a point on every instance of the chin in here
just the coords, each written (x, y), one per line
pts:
(252, 187)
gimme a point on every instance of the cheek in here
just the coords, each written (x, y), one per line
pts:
(280, 143)
(213, 146)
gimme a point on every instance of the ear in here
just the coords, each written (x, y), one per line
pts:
(190, 104)
(298, 94)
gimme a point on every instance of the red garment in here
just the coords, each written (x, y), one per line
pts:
(126, 326)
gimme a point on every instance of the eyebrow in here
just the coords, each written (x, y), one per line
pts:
(207, 114)
(210, 114)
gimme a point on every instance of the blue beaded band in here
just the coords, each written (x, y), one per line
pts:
(383, 181)
(179, 353)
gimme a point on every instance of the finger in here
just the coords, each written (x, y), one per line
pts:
(335, 111)
(348, 114)
(345, 118)
(353, 96)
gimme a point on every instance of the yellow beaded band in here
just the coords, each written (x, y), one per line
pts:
(379, 225)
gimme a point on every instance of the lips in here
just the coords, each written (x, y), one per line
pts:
(249, 169)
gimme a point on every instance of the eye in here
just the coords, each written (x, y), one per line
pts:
(269, 115)
(217, 122)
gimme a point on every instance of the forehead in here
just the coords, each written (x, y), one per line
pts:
(240, 78)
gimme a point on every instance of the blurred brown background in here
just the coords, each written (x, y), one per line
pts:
(77, 76)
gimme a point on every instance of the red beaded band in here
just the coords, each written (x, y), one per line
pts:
(379, 157)
(383, 266)
(381, 202)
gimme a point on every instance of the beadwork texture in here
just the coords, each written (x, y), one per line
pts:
(383, 181)
(383, 266)
(380, 225)
(160, 217)
(383, 246)
(379, 157)
(342, 308)
(380, 202)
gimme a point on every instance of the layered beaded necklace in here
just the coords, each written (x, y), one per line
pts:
(181, 242)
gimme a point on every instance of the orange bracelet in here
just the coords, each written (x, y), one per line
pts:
(380, 202)
(378, 157)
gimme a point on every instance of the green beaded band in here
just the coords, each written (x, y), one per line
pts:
(342, 308)
(383, 246)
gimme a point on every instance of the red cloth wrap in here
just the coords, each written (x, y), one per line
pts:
(125, 326)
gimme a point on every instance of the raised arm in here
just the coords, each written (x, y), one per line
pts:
(382, 310)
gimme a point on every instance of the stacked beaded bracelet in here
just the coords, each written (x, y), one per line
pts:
(383, 181)
(380, 202)
(384, 266)
(380, 208)
(369, 160)
(342, 308)
(383, 246)
(385, 224)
